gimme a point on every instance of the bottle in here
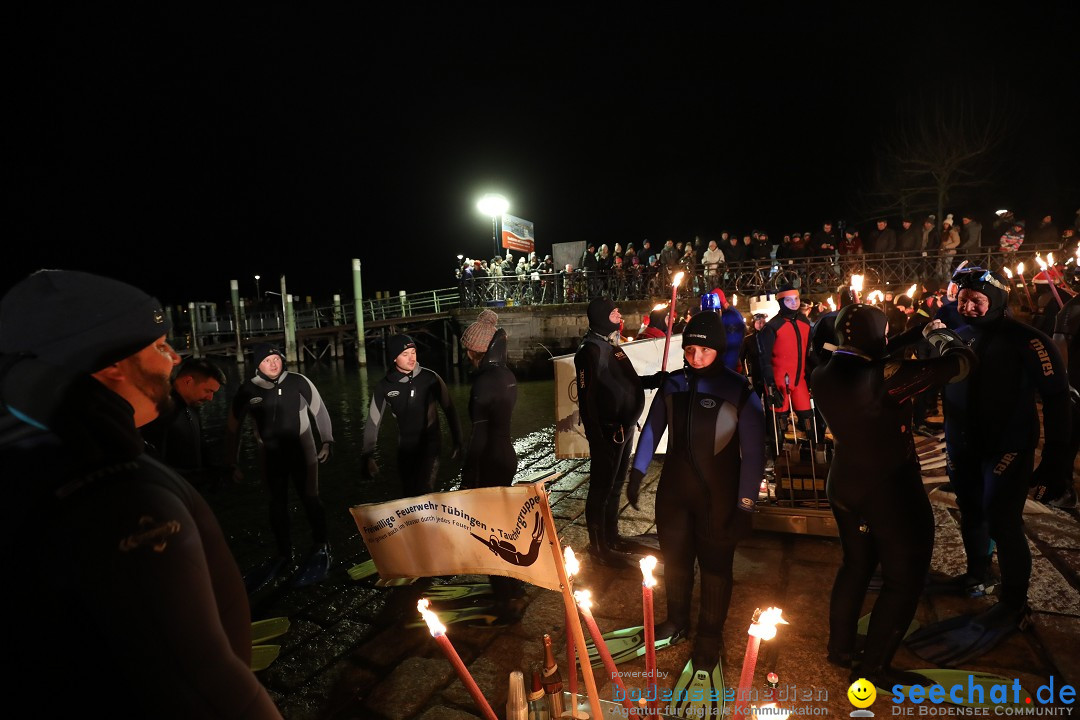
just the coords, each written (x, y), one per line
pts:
(552, 681)
(516, 709)
(537, 704)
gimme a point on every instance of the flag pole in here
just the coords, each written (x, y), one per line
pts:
(570, 603)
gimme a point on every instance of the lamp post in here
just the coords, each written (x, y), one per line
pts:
(257, 296)
(494, 205)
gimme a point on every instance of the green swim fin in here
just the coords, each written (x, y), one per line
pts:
(263, 655)
(445, 593)
(698, 693)
(1004, 689)
(396, 582)
(627, 644)
(479, 616)
(263, 630)
(864, 625)
(956, 640)
(363, 570)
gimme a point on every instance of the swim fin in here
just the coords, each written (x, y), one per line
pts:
(363, 570)
(698, 693)
(864, 625)
(628, 644)
(263, 630)
(956, 640)
(464, 591)
(478, 616)
(994, 690)
(263, 655)
(395, 582)
(315, 569)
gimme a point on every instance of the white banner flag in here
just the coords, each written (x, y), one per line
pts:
(487, 531)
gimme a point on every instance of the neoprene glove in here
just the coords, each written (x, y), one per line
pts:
(654, 381)
(776, 398)
(324, 454)
(1054, 475)
(633, 487)
(368, 467)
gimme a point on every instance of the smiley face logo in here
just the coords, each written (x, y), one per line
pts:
(862, 693)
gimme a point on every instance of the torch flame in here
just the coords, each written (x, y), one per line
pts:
(1008, 273)
(435, 627)
(911, 290)
(661, 306)
(1020, 269)
(647, 564)
(875, 297)
(1050, 259)
(1040, 261)
(856, 283)
(571, 561)
(678, 279)
(735, 298)
(832, 303)
(583, 598)
(765, 627)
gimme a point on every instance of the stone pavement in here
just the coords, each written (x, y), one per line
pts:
(351, 655)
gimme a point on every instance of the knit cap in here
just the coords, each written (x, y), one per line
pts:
(477, 337)
(77, 320)
(397, 344)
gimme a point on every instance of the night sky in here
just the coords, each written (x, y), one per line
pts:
(178, 151)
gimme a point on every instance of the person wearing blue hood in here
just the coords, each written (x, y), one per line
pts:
(875, 485)
(282, 405)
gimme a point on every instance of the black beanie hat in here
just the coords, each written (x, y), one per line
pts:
(78, 321)
(990, 284)
(263, 350)
(397, 344)
(599, 313)
(705, 329)
(861, 328)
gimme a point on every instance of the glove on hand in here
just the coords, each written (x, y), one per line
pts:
(776, 398)
(633, 487)
(654, 381)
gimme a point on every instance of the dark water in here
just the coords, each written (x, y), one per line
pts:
(346, 390)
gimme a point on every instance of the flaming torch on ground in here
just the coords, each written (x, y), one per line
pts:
(438, 631)
(762, 627)
(1048, 270)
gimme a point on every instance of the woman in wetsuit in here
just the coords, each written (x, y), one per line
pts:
(490, 459)
(708, 487)
(875, 484)
(413, 394)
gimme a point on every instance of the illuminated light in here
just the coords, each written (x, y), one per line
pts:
(661, 306)
(678, 279)
(832, 303)
(571, 561)
(493, 204)
(735, 298)
(856, 283)
(1008, 273)
(434, 626)
(648, 564)
(911, 290)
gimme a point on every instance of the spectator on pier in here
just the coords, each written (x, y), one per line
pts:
(734, 251)
(1046, 233)
(823, 243)
(108, 545)
(711, 260)
(970, 234)
(282, 405)
(883, 240)
(908, 240)
(1013, 237)
(760, 247)
(850, 245)
(175, 437)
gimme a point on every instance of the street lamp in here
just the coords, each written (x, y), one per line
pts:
(494, 205)
(257, 296)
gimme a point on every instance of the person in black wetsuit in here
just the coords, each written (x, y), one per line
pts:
(175, 437)
(992, 430)
(709, 485)
(282, 405)
(490, 459)
(611, 398)
(413, 393)
(875, 485)
(108, 545)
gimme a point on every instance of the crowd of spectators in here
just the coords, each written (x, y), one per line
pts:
(631, 272)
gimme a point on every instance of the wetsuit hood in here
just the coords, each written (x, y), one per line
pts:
(990, 284)
(599, 314)
(658, 319)
(860, 330)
